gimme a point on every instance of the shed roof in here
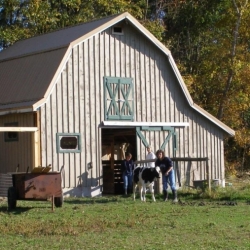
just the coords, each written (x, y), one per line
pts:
(23, 81)
(28, 74)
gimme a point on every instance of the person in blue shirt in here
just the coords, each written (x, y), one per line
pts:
(127, 167)
(168, 175)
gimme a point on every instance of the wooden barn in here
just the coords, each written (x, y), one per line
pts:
(79, 97)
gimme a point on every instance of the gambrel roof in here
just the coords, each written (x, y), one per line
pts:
(30, 68)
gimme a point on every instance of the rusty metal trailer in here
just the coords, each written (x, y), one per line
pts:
(35, 186)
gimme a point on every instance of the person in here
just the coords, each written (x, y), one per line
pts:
(168, 175)
(127, 167)
(150, 156)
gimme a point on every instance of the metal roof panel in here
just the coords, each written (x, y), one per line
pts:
(27, 79)
(53, 40)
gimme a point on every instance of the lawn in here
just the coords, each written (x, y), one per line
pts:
(200, 220)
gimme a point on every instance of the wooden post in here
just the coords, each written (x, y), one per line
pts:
(208, 175)
(112, 163)
(36, 142)
(52, 202)
(112, 159)
(178, 173)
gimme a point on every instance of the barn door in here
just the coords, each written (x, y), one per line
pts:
(118, 98)
(171, 134)
(115, 142)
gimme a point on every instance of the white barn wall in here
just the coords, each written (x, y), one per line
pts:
(78, 105)
(76, 112)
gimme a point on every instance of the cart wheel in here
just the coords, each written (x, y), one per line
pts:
(58, 201)
(11, 198)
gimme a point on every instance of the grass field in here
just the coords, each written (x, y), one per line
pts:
(200, 220)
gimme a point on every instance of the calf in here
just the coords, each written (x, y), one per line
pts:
(144, 178)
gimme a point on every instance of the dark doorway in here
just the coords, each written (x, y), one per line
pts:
(115, 142)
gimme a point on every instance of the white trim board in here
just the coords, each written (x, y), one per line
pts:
(18, 129)
(146, 124)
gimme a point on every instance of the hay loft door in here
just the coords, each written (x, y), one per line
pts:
(118, 98)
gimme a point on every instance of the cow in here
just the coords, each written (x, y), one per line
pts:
(144, 178)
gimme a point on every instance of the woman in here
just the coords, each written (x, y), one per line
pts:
(168, 175)
(127, 167)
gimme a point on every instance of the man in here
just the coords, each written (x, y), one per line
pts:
(167, 171)
(127, 168)
(150, 156)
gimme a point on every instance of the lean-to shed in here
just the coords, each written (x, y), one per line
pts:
(79, 97)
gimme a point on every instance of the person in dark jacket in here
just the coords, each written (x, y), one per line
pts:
(127, 167)
(168, 175)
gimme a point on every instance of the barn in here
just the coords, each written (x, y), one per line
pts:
(79, 97)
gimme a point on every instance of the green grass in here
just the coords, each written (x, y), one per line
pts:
(201, 220)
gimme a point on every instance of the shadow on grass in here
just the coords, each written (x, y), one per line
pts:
(22, 207)
(17, 210)
(93, 200)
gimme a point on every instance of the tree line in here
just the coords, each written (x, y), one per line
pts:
(209, 40)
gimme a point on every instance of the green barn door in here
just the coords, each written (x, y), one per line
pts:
(171, 134)
(118, 98)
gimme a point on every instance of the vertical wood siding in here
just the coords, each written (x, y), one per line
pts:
(17, 152)
(77, 106)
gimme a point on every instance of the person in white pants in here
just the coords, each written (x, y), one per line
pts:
(150, 156)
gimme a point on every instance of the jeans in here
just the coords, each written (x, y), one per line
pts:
(169, 179)
(127, 181)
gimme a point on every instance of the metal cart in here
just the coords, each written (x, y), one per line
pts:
(35, 186)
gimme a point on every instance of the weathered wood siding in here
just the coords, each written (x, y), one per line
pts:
(19, 152)
(5, 183)
(77, 106)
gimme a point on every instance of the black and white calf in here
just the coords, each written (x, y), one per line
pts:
(144, 178)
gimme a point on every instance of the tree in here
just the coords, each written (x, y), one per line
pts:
(210, 40)
(22, 18)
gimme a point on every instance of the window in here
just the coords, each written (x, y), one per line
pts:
(11, 136)
(117, 30)
(68, 142)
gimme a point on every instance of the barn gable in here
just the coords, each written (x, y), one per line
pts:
(68, 38)
(109, 85)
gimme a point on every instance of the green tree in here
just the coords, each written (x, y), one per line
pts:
(210, 41)
(22, 18)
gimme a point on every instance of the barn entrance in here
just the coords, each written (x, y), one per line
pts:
(115, 142)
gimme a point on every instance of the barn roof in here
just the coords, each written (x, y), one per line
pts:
(28, 74)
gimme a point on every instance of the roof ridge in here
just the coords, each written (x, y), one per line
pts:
(67, 27)
(32, 53)
(22, 101)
